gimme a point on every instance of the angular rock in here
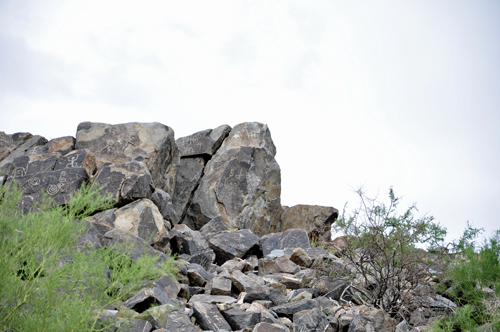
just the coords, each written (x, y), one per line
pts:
(183, 240)
(270, 327)
(104, 221)
(187, 178)
(142, 219)
(313, 320)
(179, 322)
(286, 265)
(59, 185)
(214, 299)
(78, 158)
(130, 245)
(242, 282)
(159, 316)
(300, 257)
(372, 320)
(200, 271)
(169, 285)
(13, 146)
(240, 320)
(143, 300)
(164, 203)
(136, 325)
(213, 227)
(151, 143)
(221, 286)
(209, 318)
(234, 244)
(333, 288)
(204, 142)
(310, 218)
(63, 145)
(126, 182)
(29, 165)
(290, 309)
(9, 143)
(289, 239)
(268, 266)
(265, 293)
(289, 280)
(242, 183)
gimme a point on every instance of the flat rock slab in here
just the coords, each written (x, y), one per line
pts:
(126, 182)
(59, 185)
(145, 298)
(289, 309)
(29, 165)
(289, 239)
(214, 299)
(234, 244)
(151, 143)
(209, 318)
(267, 294)
(179, 322)
(130, 245)
(240, 320)
(204, 142)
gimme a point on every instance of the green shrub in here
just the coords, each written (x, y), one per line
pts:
(46, 283)
(475, 284)
(381, 245)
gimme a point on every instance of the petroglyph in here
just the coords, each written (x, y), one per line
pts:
(72, 161)
(34, 181)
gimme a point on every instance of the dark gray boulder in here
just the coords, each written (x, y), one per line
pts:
(267, 294)
(240, 320)
(202, 143)
(187, 178)
(234, 244)
(209, 318)
(313, 320)
(241, 183)
(183, 240)
(290, 309)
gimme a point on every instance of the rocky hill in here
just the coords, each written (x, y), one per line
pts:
(212, 198)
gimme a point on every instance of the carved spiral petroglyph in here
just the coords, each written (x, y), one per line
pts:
(19, 171)
(53, 189)
(34, 181)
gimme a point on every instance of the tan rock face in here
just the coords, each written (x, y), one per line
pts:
(142, 219)
(152, 143)
(309, 218)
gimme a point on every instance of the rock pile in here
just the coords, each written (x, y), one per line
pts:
(212, 198)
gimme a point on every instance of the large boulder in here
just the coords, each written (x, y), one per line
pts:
(289, 239)
(12, 146)
(315, 220)
(187, 178)
(9, 143)
(241, 183)
(151, 143)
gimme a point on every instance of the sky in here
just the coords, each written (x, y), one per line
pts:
(355, 93)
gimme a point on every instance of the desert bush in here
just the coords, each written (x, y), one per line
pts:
(46, 282)
(381, 246)
(474, 283)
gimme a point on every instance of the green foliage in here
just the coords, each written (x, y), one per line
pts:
(475, 283)
(381, 244)
(46, 282)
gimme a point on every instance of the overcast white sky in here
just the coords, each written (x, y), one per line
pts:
(373, 93)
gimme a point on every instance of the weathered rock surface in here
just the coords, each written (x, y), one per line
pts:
(63, 145)
(209, 318)
(204, 142)
(313, 320)
(151, 143)
(187, 178)
(77, 158)
(289, 239)
(241, 183)
(29, 165)
(267, 294)
(309, 218)
(240, 320)
(183, 240)
(234, 244)
(125, 182)
(13, 146)
(372, 320)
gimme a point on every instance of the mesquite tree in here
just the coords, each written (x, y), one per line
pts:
(381, 245)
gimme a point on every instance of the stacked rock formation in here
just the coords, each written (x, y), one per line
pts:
(213, 199)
